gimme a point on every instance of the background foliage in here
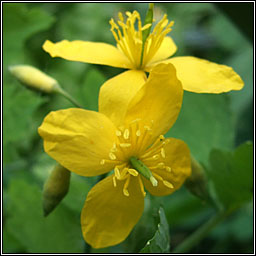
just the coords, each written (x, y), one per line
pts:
(214, 127)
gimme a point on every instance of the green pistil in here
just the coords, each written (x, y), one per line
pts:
(146, 32)
(143, 170)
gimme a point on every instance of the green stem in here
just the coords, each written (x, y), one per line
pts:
(200, 233)
(62, 92)
(70, 98)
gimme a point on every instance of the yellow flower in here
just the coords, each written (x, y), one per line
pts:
(128, 141)
(196, 75)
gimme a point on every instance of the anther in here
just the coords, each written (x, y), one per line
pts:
(125, 191)
(117, 173)
(160, 165)
(112, 156)
(114, 149)
(153, 181)
(155, 157)
(126, 184)
(142, 187)
(118, 133)
(114, 181)
(125, 145)
(168, 184)
(161, 137)
(138, 133)
(162, 152)
(147, 128)
(102, 162)
(133, 172)
(168, 168)
(126, 134)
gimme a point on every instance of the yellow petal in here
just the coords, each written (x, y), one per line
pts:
(79, 139)
(158, 102)
(108, 216)
(177, 157)
(116, 93)
(89, 52)
(202, 76)
(167, 49)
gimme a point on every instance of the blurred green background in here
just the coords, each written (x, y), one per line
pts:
(212, 125)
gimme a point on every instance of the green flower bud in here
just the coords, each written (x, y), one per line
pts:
(34, 78)
(196, 183)
(55, 188)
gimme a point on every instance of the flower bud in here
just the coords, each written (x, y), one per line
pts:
(34, 78)
(197, 182)
(55, 188)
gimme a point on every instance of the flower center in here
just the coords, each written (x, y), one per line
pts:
(130, 40)
(131, 153)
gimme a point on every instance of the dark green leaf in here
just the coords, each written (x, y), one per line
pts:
(160, 243)
(231, 176)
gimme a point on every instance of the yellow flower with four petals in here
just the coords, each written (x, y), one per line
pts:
(127, 138)
(196, 75)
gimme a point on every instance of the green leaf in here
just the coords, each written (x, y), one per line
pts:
(160, 243)
(231, 176)
(205, 122)
(19, 126)
(91, 87)
(19, 24)
(58, 233)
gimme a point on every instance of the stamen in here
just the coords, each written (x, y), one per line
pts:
(102, 162)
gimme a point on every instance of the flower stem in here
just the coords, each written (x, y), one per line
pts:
(62, 92)
(200, 233)
(146, 32)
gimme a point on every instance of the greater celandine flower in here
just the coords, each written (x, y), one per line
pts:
(129, 141)
(196, 75)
